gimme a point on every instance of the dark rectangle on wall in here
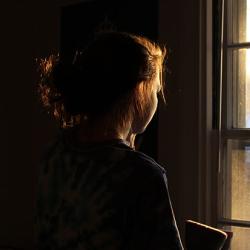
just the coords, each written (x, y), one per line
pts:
(79, 21)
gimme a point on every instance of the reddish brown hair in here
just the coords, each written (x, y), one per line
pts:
(112, 77)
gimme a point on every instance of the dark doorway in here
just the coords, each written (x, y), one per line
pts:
(79, 21)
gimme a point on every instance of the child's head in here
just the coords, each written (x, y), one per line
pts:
(113, 77)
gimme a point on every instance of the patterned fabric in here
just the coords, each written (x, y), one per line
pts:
(104, 196)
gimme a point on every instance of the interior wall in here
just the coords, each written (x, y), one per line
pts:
(29, 30)
(178, 120)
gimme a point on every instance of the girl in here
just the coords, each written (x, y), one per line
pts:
(95, 190)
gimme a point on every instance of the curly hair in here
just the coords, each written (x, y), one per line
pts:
(103, 79)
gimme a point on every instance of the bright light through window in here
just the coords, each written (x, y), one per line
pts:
(234, 178)
(239, 59)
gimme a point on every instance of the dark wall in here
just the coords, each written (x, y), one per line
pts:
(178, 134)
(28, 30)
(15, 144)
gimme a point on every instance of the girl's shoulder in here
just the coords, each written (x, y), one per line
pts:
(140, 162)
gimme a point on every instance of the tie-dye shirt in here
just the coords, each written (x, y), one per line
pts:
(103, 196)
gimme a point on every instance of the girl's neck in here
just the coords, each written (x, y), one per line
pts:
(85, 133)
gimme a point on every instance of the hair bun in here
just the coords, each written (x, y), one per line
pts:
(66, 78)
(63, 75)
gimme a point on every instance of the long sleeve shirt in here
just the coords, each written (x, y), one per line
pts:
(103, 196)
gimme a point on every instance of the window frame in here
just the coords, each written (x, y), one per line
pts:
(226, 109)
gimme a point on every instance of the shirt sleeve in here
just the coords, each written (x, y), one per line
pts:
(155, 226)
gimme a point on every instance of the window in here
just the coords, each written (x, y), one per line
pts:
(234, 170)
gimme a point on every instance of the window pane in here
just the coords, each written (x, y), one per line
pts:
(241, 235)
(239, 17)
(239, 76)
(236, 181)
